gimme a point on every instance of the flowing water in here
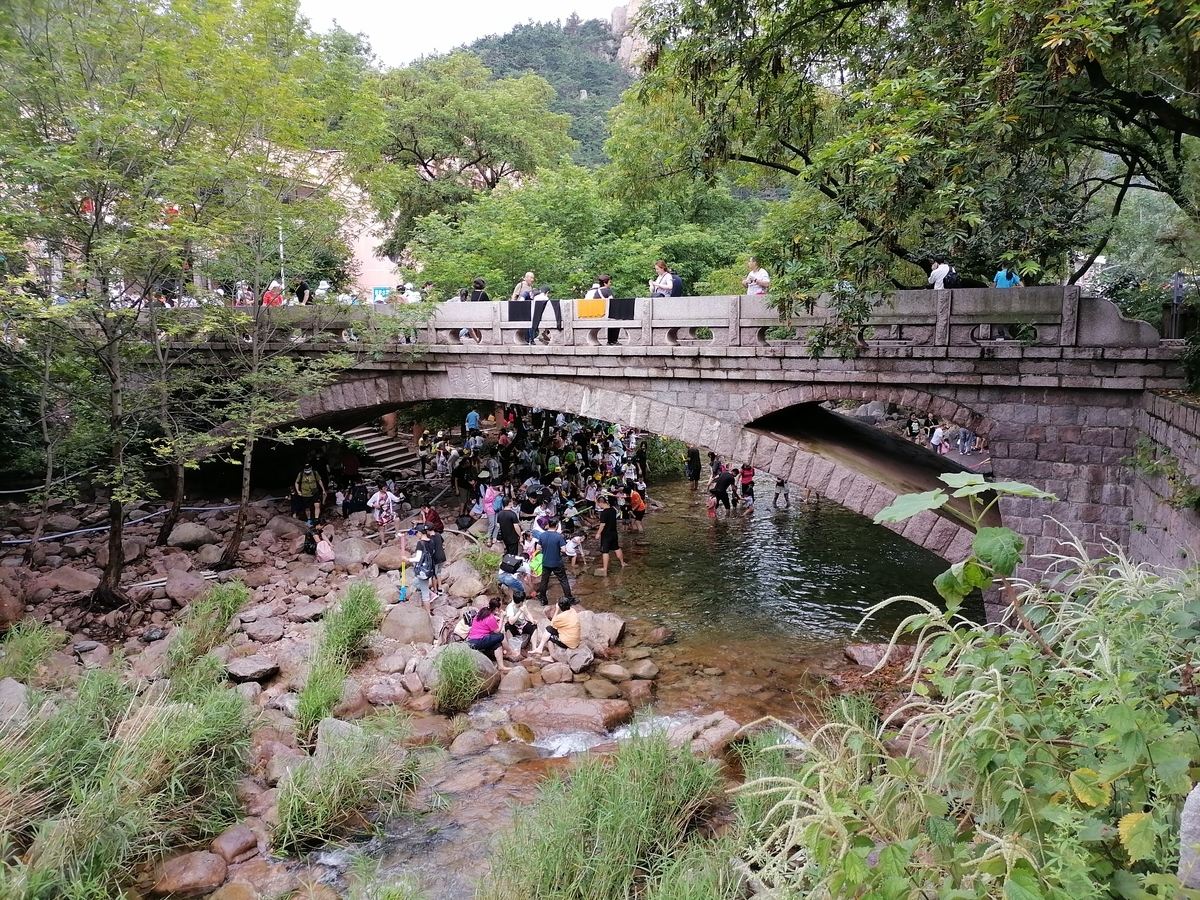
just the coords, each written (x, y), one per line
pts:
(761, 606)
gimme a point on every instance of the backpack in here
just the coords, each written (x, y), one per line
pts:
(952, 279)
(310, 544)
(464, 522)
(424, 568)
(676, 285)
(463, 627)
(498, 503)
(510, 563)
(359, 494)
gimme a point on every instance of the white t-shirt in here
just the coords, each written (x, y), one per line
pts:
(938, 275)
(757, 282)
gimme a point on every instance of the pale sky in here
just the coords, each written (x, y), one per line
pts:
(400, 32)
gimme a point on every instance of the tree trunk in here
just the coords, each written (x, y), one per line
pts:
(178, 476)
(48, 447)
(229, 557)
(108, 594)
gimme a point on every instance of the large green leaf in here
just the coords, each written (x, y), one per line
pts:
(1012, 488)
(908, 505)
(999, 548)
(1137, 835)
(962, 479)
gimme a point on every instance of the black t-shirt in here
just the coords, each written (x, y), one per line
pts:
(480, 295)
(608, 518)
(508, 521)
(437, 546)
(724, 482)
(302, 292)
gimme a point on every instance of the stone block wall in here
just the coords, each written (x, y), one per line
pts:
(1160, 534)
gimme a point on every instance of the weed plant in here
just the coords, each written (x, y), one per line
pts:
(26, 646)
(457, 681)
(203, 628)
(347, 628)
(343, 640)
(1050, 761)
(320, 694)
(352, 775)
(487, 564)
(611, 830)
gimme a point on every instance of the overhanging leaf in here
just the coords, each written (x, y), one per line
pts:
(1012, 488)
(962, 479)
(908, 505)
(999, 548)
(1137, 835)
(1088, 787)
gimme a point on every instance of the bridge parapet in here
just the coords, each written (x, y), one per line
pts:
(1049, 317)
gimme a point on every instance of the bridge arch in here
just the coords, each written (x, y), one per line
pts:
(949, 408)
(366, 393)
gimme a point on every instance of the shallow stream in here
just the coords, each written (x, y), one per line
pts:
(761, 606)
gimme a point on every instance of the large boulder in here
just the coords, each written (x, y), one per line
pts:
(264, 630)
(486, 668)
(60, 523)
(709, 736)
(252, 668)
(184, 587)
(388, 591)
(453, 571)
(190, 875)
(11, 608)
(68, 580)
(469, 586)
(391, 558)
(408, 623)
(286, 527)
(130, 549)
(233, 842)
(568, 714)
(12, 700)
(191, 536)
(578, 659)
(600, 630)
(353, 550)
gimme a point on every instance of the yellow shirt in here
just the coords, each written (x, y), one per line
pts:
(566, 623)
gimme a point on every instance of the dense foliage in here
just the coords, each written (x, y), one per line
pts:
(578, 59)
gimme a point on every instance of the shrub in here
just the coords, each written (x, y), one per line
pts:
(26, 646)
(357, 772)
(609, 829)
(458, 681)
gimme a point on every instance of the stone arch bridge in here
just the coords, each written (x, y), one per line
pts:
(1062, 407)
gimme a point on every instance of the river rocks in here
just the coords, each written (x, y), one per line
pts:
(330, 733)
(515, 681)
(659, 637)
(306, 612)
(267, 878)
(638, 692)
(234, 842)
(190, 875)
(513, 753)
(251, 668)
(484, 666)
(68, 580)
(469, 743)
(253, 556)
(709, 736)
(395, 662)
(285, 527)
(191, 536)
(353, 550)
(391, 558)
(467, 586)
(642, 668)
(613, 672)
(600, 630)
(353, 703)
(572, 714)
(578, 659)
(58, 524)
(556, 673)
(235, 891)
(408, 623)
(11, 608)
(515, 731)
(453, 571)
(872, 655)
(566, 690)
(602, 689)
(388, 591)
(264, 631)
(209, 555)
(388, 691)
(12, 700)
(131, 550)
(184, 587)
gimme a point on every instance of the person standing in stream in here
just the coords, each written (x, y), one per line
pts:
(607, 534)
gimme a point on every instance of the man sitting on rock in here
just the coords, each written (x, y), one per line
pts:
(563, 631)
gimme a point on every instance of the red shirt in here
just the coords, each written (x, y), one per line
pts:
(272, 298)
(485, 623)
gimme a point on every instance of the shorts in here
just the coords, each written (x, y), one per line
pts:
(609, 543)
(523, 628)
(639, 514)
(748, 489)
(512, 582)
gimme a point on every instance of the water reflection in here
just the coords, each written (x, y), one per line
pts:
(802, 576)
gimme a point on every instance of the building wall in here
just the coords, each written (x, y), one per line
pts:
(1160, 534)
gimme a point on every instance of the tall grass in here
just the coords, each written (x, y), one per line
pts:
(342, 643)
(26, 646)
(608, 831)
(203, 628)
(356, 773)
(458, 681)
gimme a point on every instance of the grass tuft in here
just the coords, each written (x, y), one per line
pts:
(203, 628)
(26, 646)
(609, 830)
(458, 681)
(321, 693)
(326, 796)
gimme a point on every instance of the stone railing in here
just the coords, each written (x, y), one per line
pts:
(1046, 316)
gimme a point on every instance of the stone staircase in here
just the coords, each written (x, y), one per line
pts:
(384, 453)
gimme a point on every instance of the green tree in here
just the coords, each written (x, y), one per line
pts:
(453, 132)
(130, 134)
